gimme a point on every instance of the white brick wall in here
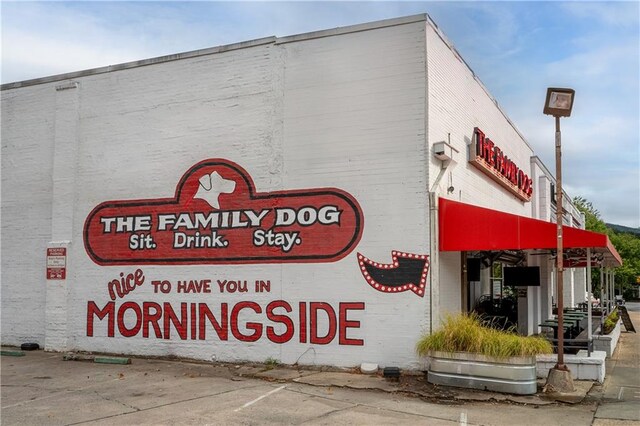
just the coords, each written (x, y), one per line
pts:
(354, 115)
(27, 169)
(345, 111)
(457, 104)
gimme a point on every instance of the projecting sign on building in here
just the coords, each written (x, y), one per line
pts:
(492, 160)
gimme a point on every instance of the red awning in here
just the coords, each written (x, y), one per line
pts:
(464, 227)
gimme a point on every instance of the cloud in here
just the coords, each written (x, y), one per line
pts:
(517, 49)
(598, 57)
(606, 66)
(40, 39)
(37, 56)
(621, 13)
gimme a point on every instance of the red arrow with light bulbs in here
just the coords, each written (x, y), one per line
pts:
(407, 271)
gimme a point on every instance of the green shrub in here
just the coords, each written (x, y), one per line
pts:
(610, 322)
(465, 333)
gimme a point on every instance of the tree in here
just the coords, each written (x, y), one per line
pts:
(627, 244)
(592, 216)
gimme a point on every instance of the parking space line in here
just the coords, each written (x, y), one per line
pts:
(260, 397)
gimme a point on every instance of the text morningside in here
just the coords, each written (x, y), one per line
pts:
(247, 321)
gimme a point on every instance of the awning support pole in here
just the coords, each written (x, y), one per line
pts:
(612, 290)
(603, 289)
(589, 318)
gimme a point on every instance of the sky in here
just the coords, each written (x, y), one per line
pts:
(517, 49)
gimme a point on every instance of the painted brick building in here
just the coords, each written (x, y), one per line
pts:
(277, 198)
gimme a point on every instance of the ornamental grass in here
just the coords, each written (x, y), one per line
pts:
(610, 322)
(465, 333)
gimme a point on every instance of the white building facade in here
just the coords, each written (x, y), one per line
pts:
(276, 198)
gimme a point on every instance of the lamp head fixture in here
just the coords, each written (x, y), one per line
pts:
(559, 102)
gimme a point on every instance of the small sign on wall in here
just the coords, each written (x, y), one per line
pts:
(56, 263)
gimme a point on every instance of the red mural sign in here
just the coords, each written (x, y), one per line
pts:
(277, 321)
(217, 217)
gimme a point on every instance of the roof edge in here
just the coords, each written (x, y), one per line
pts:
(457, 54)
(422, 17)
(140, 63)
(218, 49)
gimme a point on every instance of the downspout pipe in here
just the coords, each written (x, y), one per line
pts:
(434, 290)
(433, 199)
(434, 246)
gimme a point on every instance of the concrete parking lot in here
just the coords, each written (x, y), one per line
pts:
(42, 388)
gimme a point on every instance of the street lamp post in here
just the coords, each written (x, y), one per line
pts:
(559, 104)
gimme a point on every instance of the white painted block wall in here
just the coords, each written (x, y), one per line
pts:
(27, 183)
(457, 103)
(345, 112)
(356, 110)
(354, 114)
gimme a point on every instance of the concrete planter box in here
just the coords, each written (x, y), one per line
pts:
(582, 366)
(607, 342)
(515, 375)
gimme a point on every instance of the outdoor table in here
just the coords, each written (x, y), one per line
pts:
(573, 320)
(554, 325)
(576, 315)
